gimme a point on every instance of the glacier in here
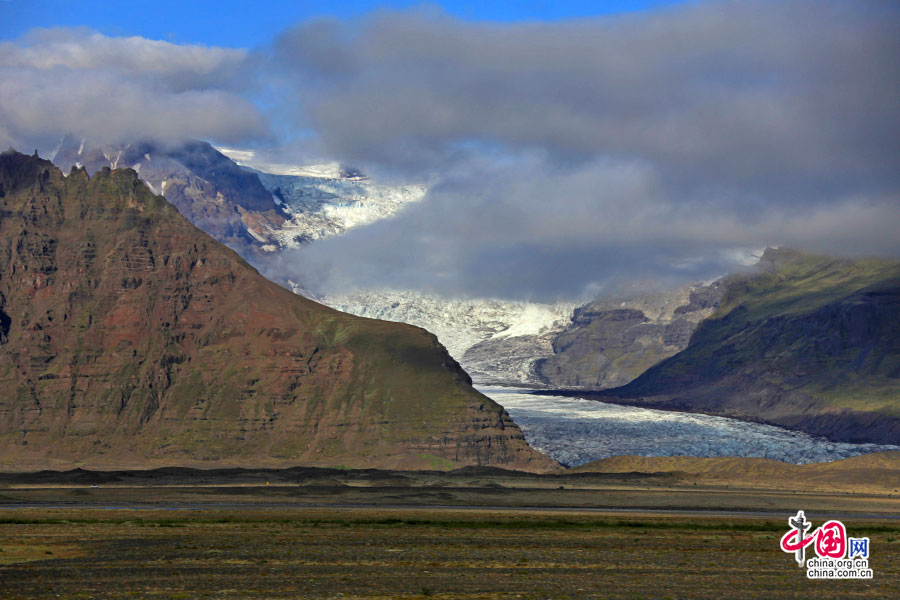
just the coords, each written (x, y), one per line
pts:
(318, 207)
(499, 341)
(324, 200)
(524, 329)
(576, 431)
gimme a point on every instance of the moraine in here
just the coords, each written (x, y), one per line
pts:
(575, 431)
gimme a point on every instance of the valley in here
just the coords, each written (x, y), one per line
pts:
(591, 346)
(389, 300)
(575, 431)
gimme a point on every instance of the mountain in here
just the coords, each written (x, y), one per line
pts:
(253, 212)
(259, 208)
(807, 342)
(209, 189)
(613, 340)
(129, 338)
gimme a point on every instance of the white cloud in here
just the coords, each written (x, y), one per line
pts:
(54, 82)
(566, 155)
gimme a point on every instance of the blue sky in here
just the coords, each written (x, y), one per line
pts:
(238, 23)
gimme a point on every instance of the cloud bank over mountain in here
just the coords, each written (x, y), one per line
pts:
(58, 81)
(562, 157)
(730, 92)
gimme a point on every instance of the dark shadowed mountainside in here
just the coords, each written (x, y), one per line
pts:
(129, 338)
(808, 342)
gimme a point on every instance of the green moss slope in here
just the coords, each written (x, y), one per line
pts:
(812, 343)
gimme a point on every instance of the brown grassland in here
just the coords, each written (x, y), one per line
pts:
(402, 553)
(465, 535)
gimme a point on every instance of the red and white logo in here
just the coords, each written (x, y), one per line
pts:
(839, 557)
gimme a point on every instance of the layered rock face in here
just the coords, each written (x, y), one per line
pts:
(611, 341)
(129, 338)
(809, 342)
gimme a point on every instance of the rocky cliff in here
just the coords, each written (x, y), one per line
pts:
(129, 338)
(613, 340)
(808, 342)
(208, 188)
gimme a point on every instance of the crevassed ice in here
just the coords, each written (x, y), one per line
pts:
(576, 431)
(320, 207)
(458, 323)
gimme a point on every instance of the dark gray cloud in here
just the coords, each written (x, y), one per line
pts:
(534, 231)
(562, 157)
(567, 156)
(59, 81)
(735, 92)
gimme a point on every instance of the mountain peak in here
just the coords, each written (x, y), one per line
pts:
(773, 259)
(19, 170)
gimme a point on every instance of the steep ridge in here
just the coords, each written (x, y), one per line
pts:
(129, 338)
(253, 212)
(809, 343)
(210, 190)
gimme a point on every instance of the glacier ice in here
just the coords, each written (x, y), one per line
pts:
(462, 323)
(575, 431)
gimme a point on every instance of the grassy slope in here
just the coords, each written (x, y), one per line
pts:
(813, 344)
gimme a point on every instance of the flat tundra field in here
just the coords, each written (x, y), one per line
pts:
(413, 553)
(470, 534)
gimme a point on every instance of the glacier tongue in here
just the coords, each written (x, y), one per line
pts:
(575, 431)
(323, 200)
